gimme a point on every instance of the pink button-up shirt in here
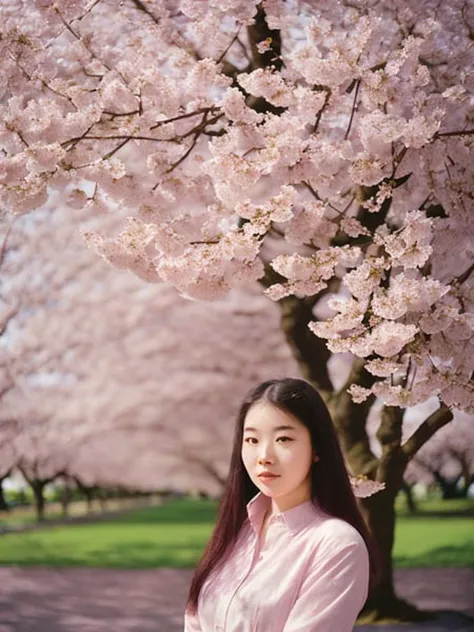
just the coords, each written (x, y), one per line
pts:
(311, 576)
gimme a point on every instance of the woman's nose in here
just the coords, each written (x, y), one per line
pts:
(265, 456)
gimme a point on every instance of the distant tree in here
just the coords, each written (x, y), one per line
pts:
(448, 459)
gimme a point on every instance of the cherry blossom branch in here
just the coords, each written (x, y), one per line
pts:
(78, 19)
(183, 116)
(76, 140)
(120, 114)
(202, 126)
(197, 131)
(464, 276)
(316, 195)
(467, 132)
(112, 137)
(3, 249)
(116, 149)
(354, 105)
(183, 157)
(79, 39)
(321, 111)
(208, 467)
(6, 318)
(139, 5)
(244, 49)
(230, 45)
(127, 137)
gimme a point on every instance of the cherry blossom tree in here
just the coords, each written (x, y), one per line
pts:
(7, 426)
(321, 149)
(8, 460)
(34, 438)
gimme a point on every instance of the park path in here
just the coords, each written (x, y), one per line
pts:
(95, 600)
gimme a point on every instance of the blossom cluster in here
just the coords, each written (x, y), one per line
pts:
(338, 158)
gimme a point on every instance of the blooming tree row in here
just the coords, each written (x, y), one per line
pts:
(121, 392)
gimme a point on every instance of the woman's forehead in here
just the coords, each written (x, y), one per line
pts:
(265, 416)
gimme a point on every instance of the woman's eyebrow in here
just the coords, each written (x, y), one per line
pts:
(277, 429)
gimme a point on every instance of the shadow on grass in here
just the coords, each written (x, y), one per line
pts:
(465, 513)
(174, 511)
(444, 556)
(127, 556)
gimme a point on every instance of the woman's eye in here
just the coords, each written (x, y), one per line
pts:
(253, 440)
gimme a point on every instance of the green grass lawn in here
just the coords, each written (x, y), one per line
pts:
(173, 535)
(441, 533)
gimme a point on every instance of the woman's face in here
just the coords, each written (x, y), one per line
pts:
(277, 442)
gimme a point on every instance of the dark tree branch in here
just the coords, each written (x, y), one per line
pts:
(466, 132)
(350, 420)
(464, 276)
(207, 466)
(183, 116)
(310, 352)
(428, 428)
(393, 461)
(354, 107)
(142, 7)
(229, 46)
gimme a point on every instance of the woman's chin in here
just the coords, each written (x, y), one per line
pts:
(269, 489)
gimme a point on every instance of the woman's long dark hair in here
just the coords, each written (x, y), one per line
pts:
(330, 484)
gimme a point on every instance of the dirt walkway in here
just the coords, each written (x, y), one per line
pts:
(86, 600)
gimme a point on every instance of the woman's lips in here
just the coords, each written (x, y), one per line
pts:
(268, 477)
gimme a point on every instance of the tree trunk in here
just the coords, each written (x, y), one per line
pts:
(3, 503)
(38, 490)
(89, 494)
(449, 486)
(102, 498)
(411, 504)
(65, 500)
(379, 512)
(468, 481)
(87, 491)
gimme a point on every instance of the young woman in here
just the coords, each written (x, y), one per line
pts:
(290, 551)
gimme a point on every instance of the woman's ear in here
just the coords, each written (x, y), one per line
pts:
(315, 458)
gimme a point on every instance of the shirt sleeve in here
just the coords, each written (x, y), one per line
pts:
(333, 592)
(191, 623)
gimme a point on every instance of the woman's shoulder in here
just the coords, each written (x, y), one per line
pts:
(335, 533)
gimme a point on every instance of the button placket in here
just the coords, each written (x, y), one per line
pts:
(255, 553)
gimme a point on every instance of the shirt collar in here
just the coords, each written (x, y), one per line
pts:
(294, 519)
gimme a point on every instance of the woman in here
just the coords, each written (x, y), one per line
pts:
(290, 551)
